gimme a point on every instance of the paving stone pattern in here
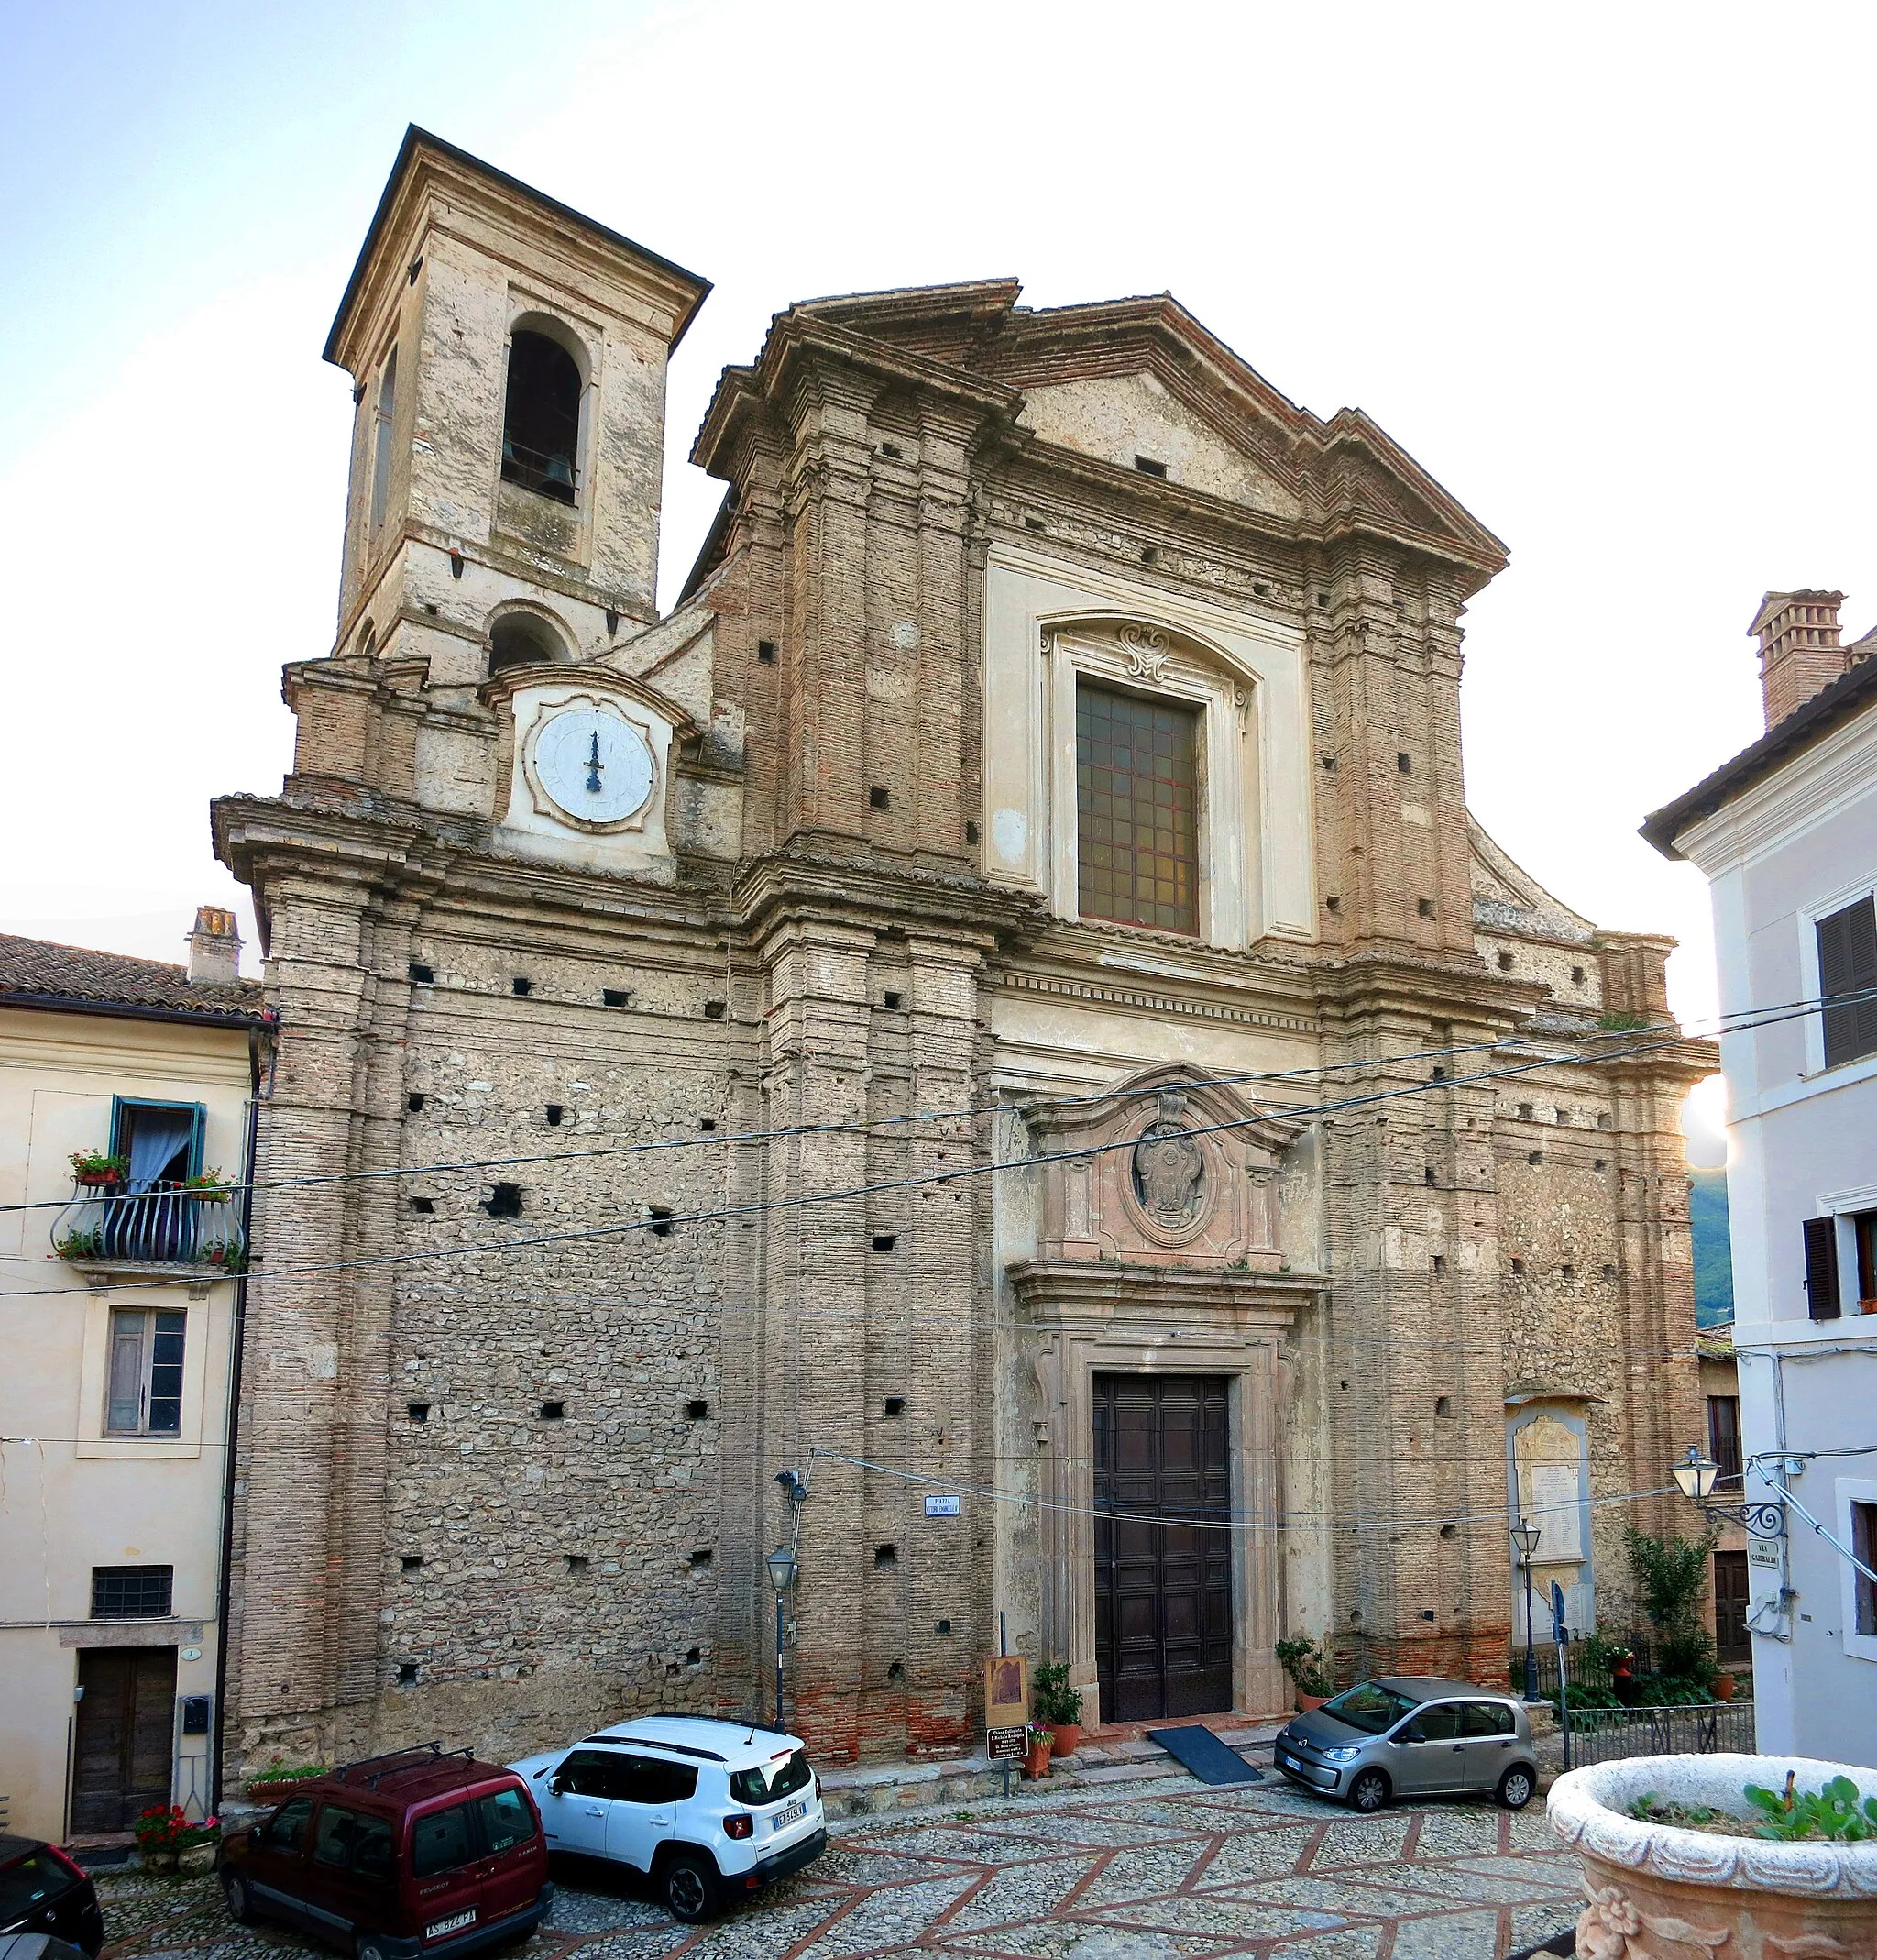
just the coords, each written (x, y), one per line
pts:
(1171, 1871)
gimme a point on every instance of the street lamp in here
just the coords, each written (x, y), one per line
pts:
(1696, 1474)
(1525, 1542)
(781, 1563)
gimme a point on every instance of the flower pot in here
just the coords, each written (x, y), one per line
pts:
(158, 1861)
(1723, 1687)
(97, 1180)
(1036, 1765)
(1063, 1737)
(1660, 1892)
(261, 1789)
(198, 1861)
(1308, 1704)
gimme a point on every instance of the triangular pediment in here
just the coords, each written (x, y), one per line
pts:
(1507, 896)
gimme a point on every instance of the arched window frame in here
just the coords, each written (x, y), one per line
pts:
(528, 319)
(538, 617)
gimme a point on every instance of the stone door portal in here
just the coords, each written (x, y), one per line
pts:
(1163, 1572)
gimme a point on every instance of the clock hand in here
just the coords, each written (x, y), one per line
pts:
(594, 766)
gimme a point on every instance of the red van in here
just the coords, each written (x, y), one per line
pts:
(419, 1853)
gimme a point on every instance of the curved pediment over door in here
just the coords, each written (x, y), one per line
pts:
(1177, 1173)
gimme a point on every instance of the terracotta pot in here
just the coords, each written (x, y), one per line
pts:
(1063, 1737)
(1655, 1889)
(97, 1181)
(1309, 1703)
(260, 1790)
(1723, 1687)
(1036, 1765)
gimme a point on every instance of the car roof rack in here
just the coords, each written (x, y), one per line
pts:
(417, 1756)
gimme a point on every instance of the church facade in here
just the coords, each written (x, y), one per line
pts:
(994, 1009)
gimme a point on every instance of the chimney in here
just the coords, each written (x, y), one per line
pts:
(215, 948)
(1799, 653)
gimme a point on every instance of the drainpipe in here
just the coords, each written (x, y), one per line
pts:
(237, 1345)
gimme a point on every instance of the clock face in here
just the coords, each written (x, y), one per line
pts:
(596, 768)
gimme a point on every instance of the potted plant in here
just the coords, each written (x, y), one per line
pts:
(274, 1783)
(156, 1831)
(210, 1186)
(1311, 1669)
(1036, 1762)
(197, 1846)
(1722, 1856)
(1058, 1707)
(1724, 1685)
(98, 1170)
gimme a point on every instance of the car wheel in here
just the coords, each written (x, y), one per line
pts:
(240, 1905)
(368, 1946)
(1515, 1789)
(690, 1888)
(1369, 1791)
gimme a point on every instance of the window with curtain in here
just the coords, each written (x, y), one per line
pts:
(1136, 800)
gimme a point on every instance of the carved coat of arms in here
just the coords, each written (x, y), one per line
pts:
(1169, 1167)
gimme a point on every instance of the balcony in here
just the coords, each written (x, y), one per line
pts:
(168, 1227)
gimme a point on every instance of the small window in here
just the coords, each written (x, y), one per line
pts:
(1848, 964)
(521, 985)
(144, 1391)
(286, 1829)
(1149, 467)
(506, 1820)
(131, 1592)
(1724, 1438)
(554, 1412)
(1404, 763)
(1505, 962)
(879, 798)
(1424, 907)
(615, 996)
(422, 974)
(1864, 1236)
(697, 1410)
(1864, 1543)
(885, 1554)
(1136, 796)
(765, 652)
(419, 1412)
(384, 418)
(884, 1242)
(541, 417)
(503, 1202)
(442, 1839)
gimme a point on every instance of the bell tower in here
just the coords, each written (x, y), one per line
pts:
(508, 363)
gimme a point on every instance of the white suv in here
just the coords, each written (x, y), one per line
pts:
(711, 1810)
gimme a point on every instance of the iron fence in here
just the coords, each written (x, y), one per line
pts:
(1576, 1669)
(1702, 1728)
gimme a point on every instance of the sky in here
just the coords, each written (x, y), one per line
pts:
(1597, 268)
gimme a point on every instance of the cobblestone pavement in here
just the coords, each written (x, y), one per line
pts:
(1170, 1870)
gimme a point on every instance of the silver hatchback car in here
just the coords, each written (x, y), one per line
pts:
(1412, 1737)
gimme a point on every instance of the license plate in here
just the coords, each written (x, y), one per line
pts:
(438, 1927)
(1290, 1762)
(792, 1815)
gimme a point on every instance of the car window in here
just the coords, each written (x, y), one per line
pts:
(373, 1854)
(1369, 1706)
(770, 1782)
(1439, 1724)
(442, 1839)
(332, 1843)
(1486, 1718)
(650, 1779)
(506, 1820)
(590, 1773)
(286, 1829)
(28, 1882)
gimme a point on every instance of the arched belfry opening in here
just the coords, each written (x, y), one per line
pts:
(541, 416)
(523, 639)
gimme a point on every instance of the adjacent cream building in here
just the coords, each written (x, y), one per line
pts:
(118, 1318)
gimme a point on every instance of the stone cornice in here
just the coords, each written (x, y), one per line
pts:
(1090, 1296)
(916, 902)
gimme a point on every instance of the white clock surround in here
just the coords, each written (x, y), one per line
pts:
(558, 712)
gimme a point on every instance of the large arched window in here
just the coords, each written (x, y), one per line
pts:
(541, 416)
(523, 639)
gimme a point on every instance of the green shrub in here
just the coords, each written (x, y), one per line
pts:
(1312, 1667)
(1054, 1699)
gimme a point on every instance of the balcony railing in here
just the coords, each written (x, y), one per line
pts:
(169, 1225)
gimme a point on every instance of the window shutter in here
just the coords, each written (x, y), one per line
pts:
(1821, 1267)
(1848, 964)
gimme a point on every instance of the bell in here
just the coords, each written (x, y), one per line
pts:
(560, 473)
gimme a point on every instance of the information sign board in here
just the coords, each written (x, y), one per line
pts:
(1006, 1745)
(942, 1506)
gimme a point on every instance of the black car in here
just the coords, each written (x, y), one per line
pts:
(42, 1892)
